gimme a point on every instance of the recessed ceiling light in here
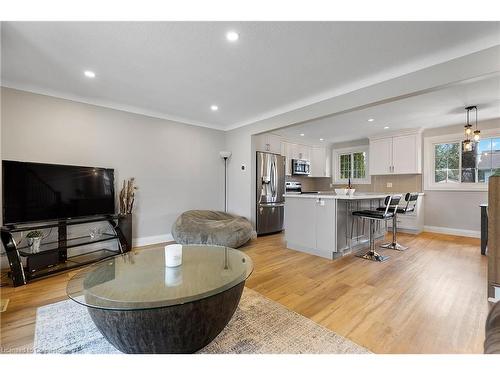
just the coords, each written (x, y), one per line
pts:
(371, 119)
(214, 107)
(232, 36)
(321, 139)
(386, 127)
(302, 134)
(89, 74)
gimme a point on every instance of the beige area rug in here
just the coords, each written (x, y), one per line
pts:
(259, 325)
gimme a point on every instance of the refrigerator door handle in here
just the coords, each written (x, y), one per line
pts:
(273, 179)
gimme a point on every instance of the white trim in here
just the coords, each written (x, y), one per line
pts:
(151, 240)
(349, 150)
(429, 142)
(453, 231)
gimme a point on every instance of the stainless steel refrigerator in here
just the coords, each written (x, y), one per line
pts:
(270, 190)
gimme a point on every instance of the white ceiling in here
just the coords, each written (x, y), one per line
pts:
(177, 70)
(434, 109)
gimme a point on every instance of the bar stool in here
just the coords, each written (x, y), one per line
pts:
(410, 206)
(391, 205)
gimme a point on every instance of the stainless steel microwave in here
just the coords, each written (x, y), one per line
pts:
(301, 166)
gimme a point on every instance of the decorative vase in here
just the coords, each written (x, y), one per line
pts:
(34, 244)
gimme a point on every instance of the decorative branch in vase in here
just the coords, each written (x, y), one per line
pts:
(350, 189)
(127, 196)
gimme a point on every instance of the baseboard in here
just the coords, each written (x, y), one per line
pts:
(453, 231)
(151, 240)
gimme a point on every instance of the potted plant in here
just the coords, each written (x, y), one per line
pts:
(34, 238)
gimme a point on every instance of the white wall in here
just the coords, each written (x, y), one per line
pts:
(239, 181)
(177, 166)
(457, 211)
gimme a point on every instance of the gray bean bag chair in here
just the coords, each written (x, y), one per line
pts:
(212, 228)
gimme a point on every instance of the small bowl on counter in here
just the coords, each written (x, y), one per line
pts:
(341, 191)
(350, 192)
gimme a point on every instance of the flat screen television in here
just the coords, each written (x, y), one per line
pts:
(38, 192)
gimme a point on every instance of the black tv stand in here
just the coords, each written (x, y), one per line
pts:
(53, 255)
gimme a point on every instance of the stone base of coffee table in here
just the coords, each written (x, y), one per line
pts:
(182, 328)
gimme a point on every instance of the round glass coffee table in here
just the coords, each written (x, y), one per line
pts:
(141, 306)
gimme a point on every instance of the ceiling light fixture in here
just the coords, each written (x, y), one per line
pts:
(386, 127)
(89, 74)
(302, 134)
(371, 119)
(214, 107)
(321, 139)
(468, 142)
(232, 36)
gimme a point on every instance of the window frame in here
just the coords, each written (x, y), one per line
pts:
(336, 153)
(429, 162)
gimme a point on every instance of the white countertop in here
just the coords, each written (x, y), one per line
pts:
(356, 196)
(334, 196)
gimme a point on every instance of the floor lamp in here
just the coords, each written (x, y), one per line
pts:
(225, 155)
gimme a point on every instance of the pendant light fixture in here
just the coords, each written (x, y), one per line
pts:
(471, 135)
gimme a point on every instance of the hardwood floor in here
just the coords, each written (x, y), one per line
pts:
(429, 299)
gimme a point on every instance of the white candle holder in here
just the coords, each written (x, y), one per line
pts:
(173, 255)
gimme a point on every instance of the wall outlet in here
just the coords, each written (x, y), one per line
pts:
(389, 184)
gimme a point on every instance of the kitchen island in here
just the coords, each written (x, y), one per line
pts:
(322, 224)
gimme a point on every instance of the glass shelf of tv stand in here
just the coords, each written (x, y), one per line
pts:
(73, 262)
(53, 246)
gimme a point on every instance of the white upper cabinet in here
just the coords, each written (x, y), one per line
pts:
(320, 158)
(303, 152)
(320, 162)
(268, 142)
(407, 154)
(380, 156)
(396, 154)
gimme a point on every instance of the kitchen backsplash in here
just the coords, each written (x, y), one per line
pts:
(312, 183)
(400, 183)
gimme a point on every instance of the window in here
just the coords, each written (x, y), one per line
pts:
(351, 163)
(487, 159)
(448, 167)
(447, 162)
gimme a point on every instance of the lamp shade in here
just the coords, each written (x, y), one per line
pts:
(225, 154)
